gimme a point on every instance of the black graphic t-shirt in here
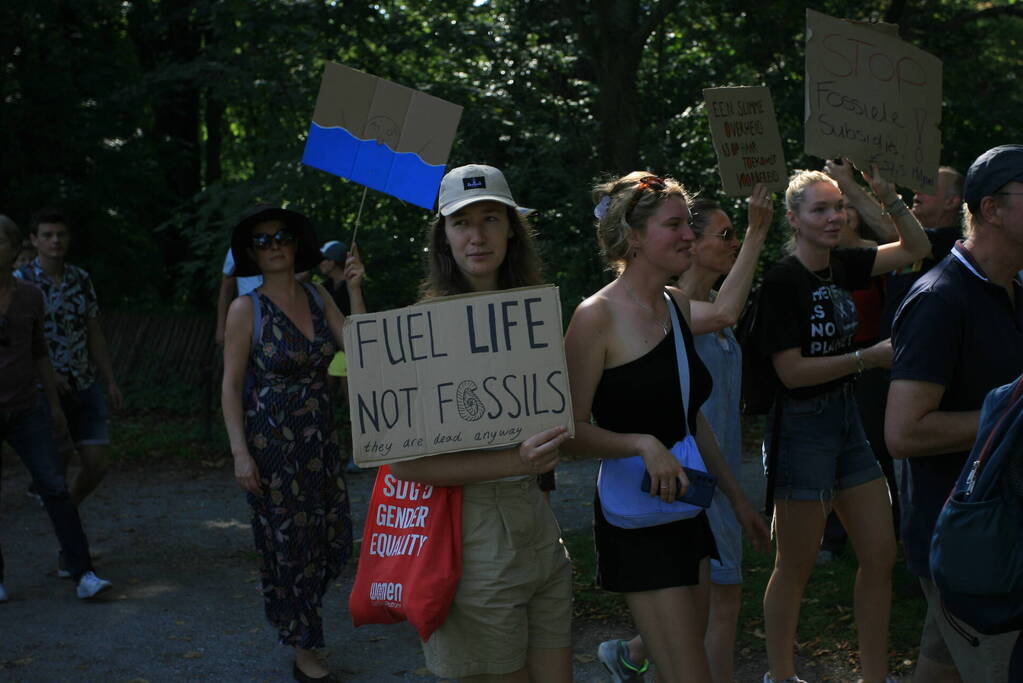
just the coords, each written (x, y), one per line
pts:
(813, 311)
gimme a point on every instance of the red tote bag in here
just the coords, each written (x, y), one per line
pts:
(411, 556)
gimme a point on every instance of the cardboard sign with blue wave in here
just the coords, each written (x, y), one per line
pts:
(380, 134)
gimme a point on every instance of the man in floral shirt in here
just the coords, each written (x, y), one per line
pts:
(77, 348)
(30, 418)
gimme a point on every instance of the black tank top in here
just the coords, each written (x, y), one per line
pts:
(643, 396)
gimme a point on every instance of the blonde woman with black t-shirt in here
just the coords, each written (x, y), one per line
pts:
(807, 325)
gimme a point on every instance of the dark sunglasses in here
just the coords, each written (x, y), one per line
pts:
(263, 240)
(648, 182)
(5, 339)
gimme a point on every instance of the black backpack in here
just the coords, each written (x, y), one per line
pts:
(761, 387)
(760, 383)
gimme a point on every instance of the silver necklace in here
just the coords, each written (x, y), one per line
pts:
(664, 325)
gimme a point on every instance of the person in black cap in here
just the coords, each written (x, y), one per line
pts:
(286, 455)
(342, 274)
(957, 335)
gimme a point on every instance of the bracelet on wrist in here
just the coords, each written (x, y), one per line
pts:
(896, 207)
(858, 357)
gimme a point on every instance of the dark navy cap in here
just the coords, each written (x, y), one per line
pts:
(991, 171)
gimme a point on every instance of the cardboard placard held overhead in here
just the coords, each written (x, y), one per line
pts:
(380, 134)
(459, 373)
(873, 98)
(746, 139)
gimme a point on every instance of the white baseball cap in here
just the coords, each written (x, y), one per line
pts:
(473, 183)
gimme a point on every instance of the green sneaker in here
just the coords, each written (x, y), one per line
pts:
(614, 655)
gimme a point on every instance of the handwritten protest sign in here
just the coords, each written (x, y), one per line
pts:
(386, 136)
(746, 139)
(873, 98)
(453, 374)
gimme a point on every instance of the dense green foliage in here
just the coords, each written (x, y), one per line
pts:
(155, 121)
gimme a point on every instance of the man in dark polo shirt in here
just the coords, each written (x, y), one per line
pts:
(957, 335)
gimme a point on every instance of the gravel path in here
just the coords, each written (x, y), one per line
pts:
(175, 540)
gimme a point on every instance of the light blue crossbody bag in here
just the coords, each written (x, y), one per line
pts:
(623, 503)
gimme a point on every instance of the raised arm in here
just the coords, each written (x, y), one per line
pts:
(355, 272)
(870, 211)
(913, 244)
(726, 308)
(335, 318)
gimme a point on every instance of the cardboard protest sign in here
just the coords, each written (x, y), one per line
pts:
(386, 136)
(873, 98)
(746, 139)
(467, 372)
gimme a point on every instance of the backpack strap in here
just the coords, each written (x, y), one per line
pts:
(994, 435)
(682, 359)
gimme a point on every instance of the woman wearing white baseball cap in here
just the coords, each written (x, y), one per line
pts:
(511, 615)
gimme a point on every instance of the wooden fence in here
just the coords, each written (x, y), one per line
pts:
(166, 350)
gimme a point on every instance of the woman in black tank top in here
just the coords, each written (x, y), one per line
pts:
(623, 371)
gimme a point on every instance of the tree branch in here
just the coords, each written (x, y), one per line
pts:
(989, 13)
(657, 15)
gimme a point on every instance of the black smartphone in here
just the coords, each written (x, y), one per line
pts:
(700, 491)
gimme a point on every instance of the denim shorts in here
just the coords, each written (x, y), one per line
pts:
(87, 417)
(822, 447)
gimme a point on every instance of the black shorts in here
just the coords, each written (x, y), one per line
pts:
(651, 558)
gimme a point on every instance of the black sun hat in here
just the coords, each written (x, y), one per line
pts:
(307, 254)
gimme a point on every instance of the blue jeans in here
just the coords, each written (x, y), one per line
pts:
(31, 436)
(822, 447)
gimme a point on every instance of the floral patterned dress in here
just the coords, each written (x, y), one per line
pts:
(301, 523)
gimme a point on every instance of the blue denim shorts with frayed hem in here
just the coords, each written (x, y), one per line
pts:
(822, 447)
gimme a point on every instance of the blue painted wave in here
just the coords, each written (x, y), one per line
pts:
(374, 165)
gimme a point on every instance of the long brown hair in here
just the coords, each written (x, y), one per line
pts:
(521, 266)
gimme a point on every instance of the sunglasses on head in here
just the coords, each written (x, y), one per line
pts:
(263, 240)
(647, 182)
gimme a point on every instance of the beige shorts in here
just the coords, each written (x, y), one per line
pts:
(515, 593)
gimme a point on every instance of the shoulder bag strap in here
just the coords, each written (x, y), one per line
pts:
(682, 359)
(996, 434)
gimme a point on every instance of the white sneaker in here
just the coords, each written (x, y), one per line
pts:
(90, 585)
(3, 593)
